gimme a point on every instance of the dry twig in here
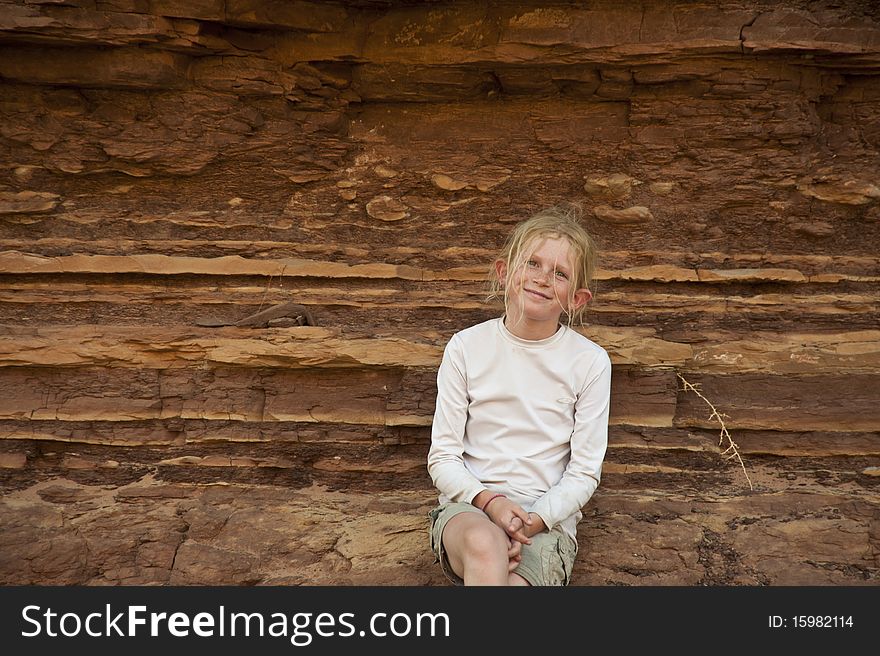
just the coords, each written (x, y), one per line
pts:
(269, 284)
(732, 450)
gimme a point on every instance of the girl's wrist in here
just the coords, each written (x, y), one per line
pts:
(482, 498)
(537, 525)
(490, 500)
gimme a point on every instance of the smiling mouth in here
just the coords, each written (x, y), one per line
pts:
(538, 294)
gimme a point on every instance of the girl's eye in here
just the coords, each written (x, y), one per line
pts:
(562, 275)
(532, 263)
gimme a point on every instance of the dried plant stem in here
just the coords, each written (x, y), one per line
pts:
(269, 284)
(732, 450)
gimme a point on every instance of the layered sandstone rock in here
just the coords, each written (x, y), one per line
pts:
(166, 161)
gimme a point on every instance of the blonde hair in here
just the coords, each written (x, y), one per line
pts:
(559, 221)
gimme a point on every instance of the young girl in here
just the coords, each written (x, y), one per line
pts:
(521, 423)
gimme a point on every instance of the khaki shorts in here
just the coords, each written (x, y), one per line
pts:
(548, 560)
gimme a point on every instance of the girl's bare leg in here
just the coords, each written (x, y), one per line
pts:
(477, 549)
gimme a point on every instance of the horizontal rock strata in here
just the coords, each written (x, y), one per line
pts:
(166, 162)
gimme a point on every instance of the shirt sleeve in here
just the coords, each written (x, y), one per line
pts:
(445, 461)
(589, 441)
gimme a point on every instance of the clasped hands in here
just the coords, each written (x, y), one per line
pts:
(519, 525)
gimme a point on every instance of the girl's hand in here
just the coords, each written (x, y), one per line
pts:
(514, 555)
(528, 530)
(511, 517)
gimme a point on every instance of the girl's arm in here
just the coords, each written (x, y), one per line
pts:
(445, 457)
(589, 440)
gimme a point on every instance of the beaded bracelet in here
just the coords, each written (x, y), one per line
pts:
(491, 499)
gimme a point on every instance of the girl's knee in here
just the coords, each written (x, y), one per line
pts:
(486, 542)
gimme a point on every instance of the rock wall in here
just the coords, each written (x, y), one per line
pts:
(168, 167)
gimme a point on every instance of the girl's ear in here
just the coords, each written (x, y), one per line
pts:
(581, 298)
(501, 271)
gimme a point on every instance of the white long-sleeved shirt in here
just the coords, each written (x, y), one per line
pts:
(525, 418)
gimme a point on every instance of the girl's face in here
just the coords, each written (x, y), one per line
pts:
(540, 289)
